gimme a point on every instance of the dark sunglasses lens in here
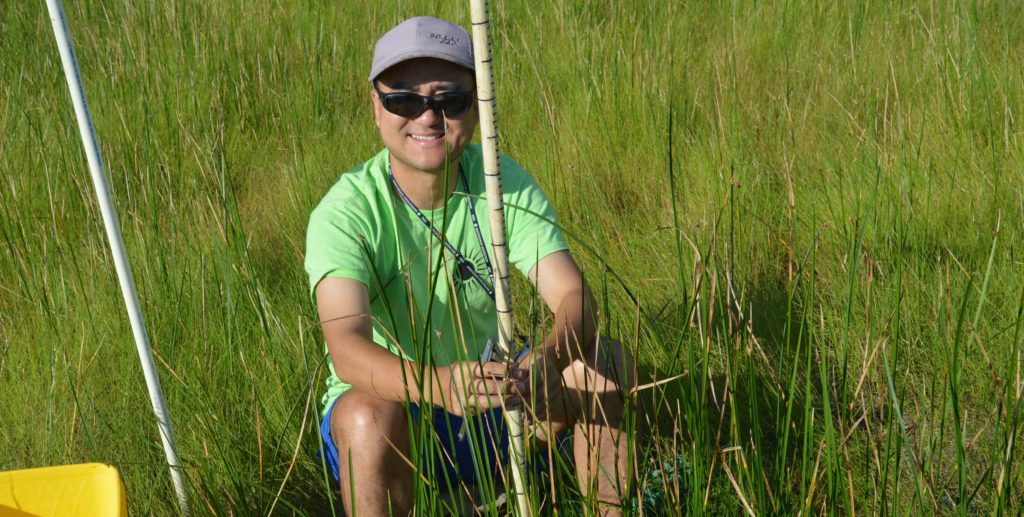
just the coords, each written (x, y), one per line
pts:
(452, 103)
(407, 105)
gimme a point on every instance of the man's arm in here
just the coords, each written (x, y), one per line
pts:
(344, 308)
(560, 283)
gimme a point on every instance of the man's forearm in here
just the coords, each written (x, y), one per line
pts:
(575, 326)
(374, 370)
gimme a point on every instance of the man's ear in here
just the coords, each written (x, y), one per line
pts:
(377, 108)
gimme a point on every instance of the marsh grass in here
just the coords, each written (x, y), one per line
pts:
(805, 220)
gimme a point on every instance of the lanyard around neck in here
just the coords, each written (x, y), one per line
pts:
(466, 268)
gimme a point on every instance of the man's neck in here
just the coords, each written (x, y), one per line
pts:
(426, 190)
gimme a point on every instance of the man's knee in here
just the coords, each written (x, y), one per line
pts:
(368, 420)
(619, 365)
(607, 366)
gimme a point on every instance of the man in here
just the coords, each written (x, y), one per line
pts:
(400, 271)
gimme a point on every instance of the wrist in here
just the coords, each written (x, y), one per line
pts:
(437, 391)
(565, 344)
(423, 387)
(556, 354)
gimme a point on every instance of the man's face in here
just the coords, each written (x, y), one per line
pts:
(419, 143)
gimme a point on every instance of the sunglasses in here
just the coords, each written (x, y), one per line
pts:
(410, 105)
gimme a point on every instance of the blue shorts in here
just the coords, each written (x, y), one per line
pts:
(480, 450)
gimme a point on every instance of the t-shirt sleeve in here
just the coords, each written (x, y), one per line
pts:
(336, 246)
(532, 229)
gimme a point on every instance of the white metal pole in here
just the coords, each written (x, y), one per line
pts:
(492, 176)
(124, 271)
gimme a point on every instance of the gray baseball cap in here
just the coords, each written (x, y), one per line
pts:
(422, 36)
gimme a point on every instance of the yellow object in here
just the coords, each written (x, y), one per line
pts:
(74, 490)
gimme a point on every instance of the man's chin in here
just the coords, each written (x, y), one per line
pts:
(434, 163)
(435, 166)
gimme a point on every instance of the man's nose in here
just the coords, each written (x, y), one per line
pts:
(430, 117)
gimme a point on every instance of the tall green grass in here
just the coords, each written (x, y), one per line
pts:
(811, 214)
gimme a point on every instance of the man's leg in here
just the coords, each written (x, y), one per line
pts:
(378, 476)
(593, 402)
(601, 447)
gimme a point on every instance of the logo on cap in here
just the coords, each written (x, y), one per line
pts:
(445, 39)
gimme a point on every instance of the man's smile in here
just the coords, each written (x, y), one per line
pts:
(428, 138)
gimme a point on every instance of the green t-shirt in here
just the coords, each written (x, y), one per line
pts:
(360, 230)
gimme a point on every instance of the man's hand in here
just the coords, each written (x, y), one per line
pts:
(467, 387)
